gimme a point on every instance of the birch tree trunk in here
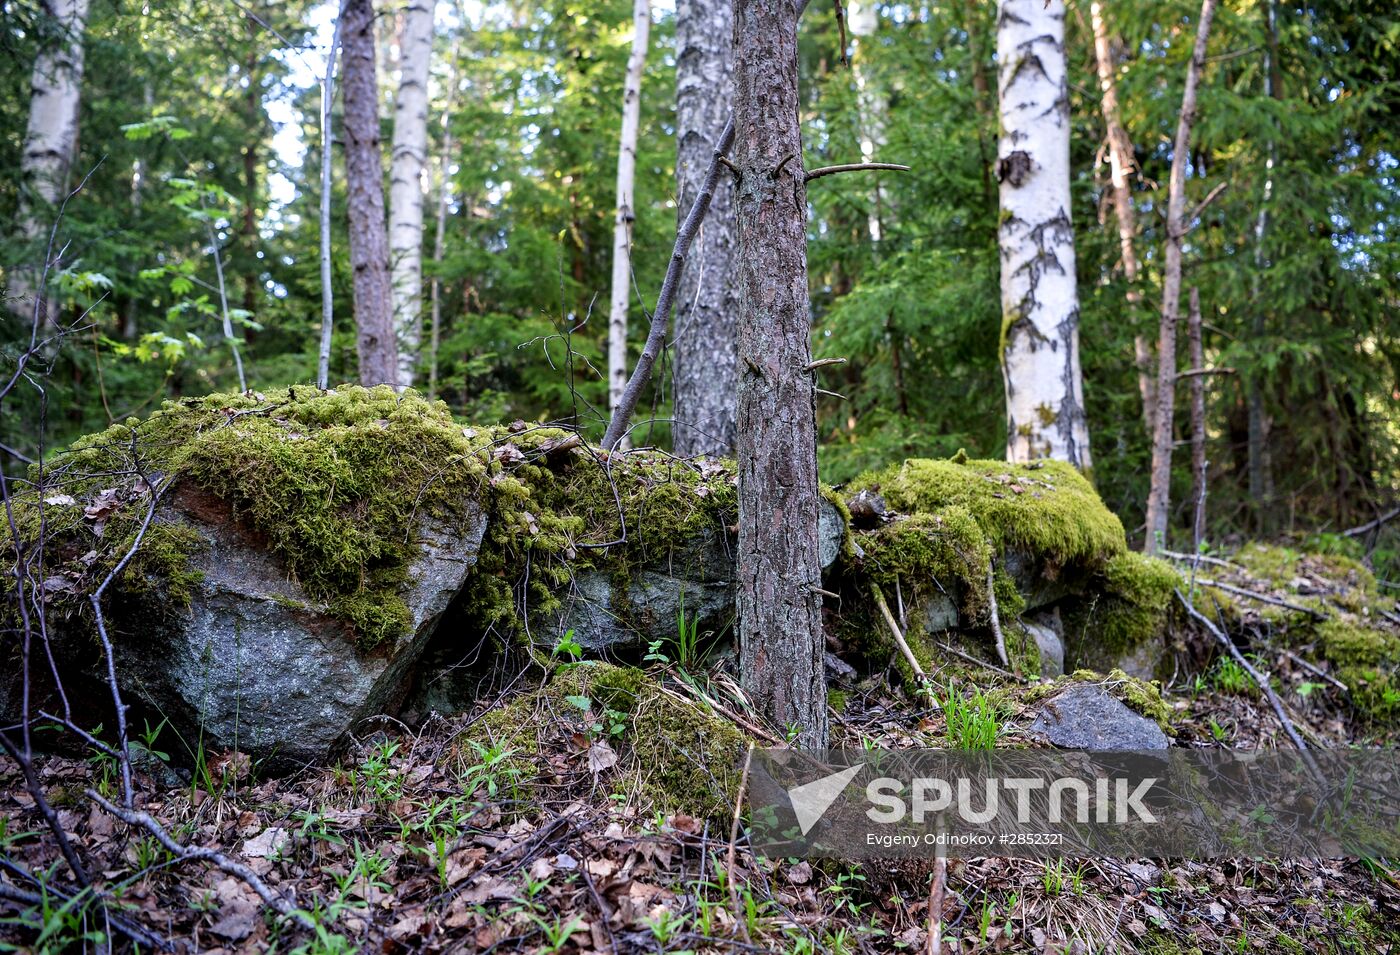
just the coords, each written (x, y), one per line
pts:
(705, 342)
(1159, 495)
(1040, 303)
(864, 19)
(1121, 165)
(626, 213)
(409, 159)
(780, 629)
(49, 140)
(364, 179)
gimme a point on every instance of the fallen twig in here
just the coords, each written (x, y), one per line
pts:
(978, 662)
(1262, 598)
(995, 618)
(1202, 558)
(1315, 671)
(904, 648)
(935, 902)
(223, 863)
(1260, 679)
(733, 841)
(1385, 518)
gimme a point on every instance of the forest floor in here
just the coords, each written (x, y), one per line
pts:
(442, 840)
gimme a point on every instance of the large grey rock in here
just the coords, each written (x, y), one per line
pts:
(255, 663)
(618, 612)
(1052, 649)
(1086, 716)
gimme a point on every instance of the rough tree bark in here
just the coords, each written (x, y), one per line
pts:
(1198, 420)
(56, 84)
(1159, 495)
(626, 213)
(1040, 302)
(706, 349)
(1121, 165)
(780, 631)
(409, 158)
(364, 178)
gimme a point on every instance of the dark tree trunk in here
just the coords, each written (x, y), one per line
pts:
(706, 349)
(364, 175)
(780, 631)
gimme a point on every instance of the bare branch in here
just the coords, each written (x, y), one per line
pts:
(854, 167)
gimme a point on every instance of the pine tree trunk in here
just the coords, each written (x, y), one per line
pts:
(1040, 303)
(626, 213)
(706, 349)
(364, 177)
(409, 159)
(1121, 165)
(1159, 496)
(1261, 479)
(780, 627)
(56, 84)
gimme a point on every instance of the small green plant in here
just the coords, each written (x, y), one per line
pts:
(972, 722)
(381, 780)
(568, 647)
(492, 770)
(664, 926)
(1229, 677)
(1053, 877)
(685, 646)
(1218, 732)
(556, 934)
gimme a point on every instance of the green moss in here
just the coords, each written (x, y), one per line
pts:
(1045, 508)
(1365, 660)
(837, 700)
(1141, 696)
(674, 755)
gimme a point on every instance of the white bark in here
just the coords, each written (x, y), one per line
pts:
(323, 366)
(1040, 302)
(56, 85)
(863, 19)
(626, 214)
(410, 159)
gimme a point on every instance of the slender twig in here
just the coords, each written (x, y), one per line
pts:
(854, 167)
(1262, 598)
(1262, 680)
(733, 841)
(1316, 671)
(323, 368)
(1210, 197)
(903, 644)
(978, 662)
(223, 863)
(995, 617)
(1202, 558)
(1199, 372)
(618, 424)
(1369, 526)
(935, 901)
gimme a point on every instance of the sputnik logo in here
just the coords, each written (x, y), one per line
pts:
(810, 801)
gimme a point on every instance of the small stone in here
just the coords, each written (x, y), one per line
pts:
(1085, 716)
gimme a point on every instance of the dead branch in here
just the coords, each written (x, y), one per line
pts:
(1369, 526)
(1210, 197)
(1198, 372)
(1262, 680)
(1316, 671)
(733, 840)
(854, 167)
(223, 863)
(995, 618)
(823, 362)
(935, 902)
(913, 661)
(1262, 598)
(978, 662)
(1202, 558)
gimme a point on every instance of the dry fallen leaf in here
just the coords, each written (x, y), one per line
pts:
(600, 757)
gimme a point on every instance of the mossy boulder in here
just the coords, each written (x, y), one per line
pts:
(1049, 547)
(295, 553)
